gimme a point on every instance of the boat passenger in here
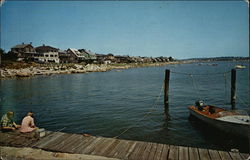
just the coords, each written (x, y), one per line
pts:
(211, 109)
(7, 123)
(28, 124)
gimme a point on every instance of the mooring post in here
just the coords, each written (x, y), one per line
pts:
(233, 88)
(166, 90)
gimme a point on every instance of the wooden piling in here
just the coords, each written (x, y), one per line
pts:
(166, 90)
(233, 88)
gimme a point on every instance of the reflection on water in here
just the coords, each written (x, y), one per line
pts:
(109, 103)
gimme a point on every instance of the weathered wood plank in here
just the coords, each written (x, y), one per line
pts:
(101, 146)
(158, 152)
(123, 153)
(131, 149)
(141, 149)
(81, 140)
(244, 156)
(193, 153)
(111, 147)
(70, 143)
(94, 146)
(214, 154)
(165, 151)
(91, 146)
(224, 155)
(83, 145)
(235, 155)
(134, 153)
(55, 137)
(108, 143)
(183, 153)
(204, 155)
(147, 151)
(45, 139)
(173, 152)
(152, 151)
(117, 149)
(59, 142)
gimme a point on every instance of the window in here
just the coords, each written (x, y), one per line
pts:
(51, 55)
(46, 55)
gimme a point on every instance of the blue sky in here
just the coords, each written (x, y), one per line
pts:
(180, 29)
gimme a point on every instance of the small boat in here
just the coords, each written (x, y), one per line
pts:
(239, 66)
(233, 122)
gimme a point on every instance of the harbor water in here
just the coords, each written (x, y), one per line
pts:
(129, 103)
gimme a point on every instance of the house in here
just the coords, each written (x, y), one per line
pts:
(90, 57)
(46, 54)
(23, 51)
(65, 57)
(76, 56)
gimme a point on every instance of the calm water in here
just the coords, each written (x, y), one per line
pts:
(107, 103)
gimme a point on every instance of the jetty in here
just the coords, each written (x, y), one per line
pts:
(113, 147)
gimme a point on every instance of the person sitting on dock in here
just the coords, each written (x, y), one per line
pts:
(7, 123)
(28, 124)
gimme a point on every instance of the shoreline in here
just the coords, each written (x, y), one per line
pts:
(28, 70)
(51, 69)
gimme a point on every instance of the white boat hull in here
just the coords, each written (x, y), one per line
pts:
(242, 130)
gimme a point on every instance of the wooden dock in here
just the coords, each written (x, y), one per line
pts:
(114, 148)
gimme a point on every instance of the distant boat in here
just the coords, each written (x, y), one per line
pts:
(233, 122)
(238, 66)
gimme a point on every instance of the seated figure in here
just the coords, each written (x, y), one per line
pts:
(28, 124)
(7, 123)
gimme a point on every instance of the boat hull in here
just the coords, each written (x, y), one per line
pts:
(242, 130)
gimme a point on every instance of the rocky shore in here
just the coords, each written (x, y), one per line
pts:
(36, 70)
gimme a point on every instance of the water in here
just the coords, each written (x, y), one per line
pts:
(108, 103)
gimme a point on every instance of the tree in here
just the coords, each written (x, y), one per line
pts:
(1, 54)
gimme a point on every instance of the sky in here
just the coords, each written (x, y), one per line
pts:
(181, 29)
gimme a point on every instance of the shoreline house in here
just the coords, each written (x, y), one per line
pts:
(76, 56)
(23, 51)
(46, 54)
(89, 56)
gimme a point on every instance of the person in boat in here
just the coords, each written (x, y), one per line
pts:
(7, 123)
(200, 105)
(28, 124)
(211, 109)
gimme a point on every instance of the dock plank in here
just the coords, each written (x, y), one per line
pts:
(214, 154)
(224, 155)
(111, 147)
(204, 155)
(134, 153)
(55, 136)
(131, 149)
(59, 142)
(158, 152)
(93, 146)
(183, 153)
(244, 155)
(235, 156)
(173, 152)
(78, 143)
(117, 149)
(147, 151)
(84, 144)
(152, 151)
(108, 144)
(142, 149)
(165, 152)
(193, 153)
(70, 143)
(123, 153)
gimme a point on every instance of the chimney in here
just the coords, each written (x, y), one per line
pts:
(23, 43)
(43, 44)
(30, 43)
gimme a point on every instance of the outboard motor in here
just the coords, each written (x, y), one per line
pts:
(200, 104)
